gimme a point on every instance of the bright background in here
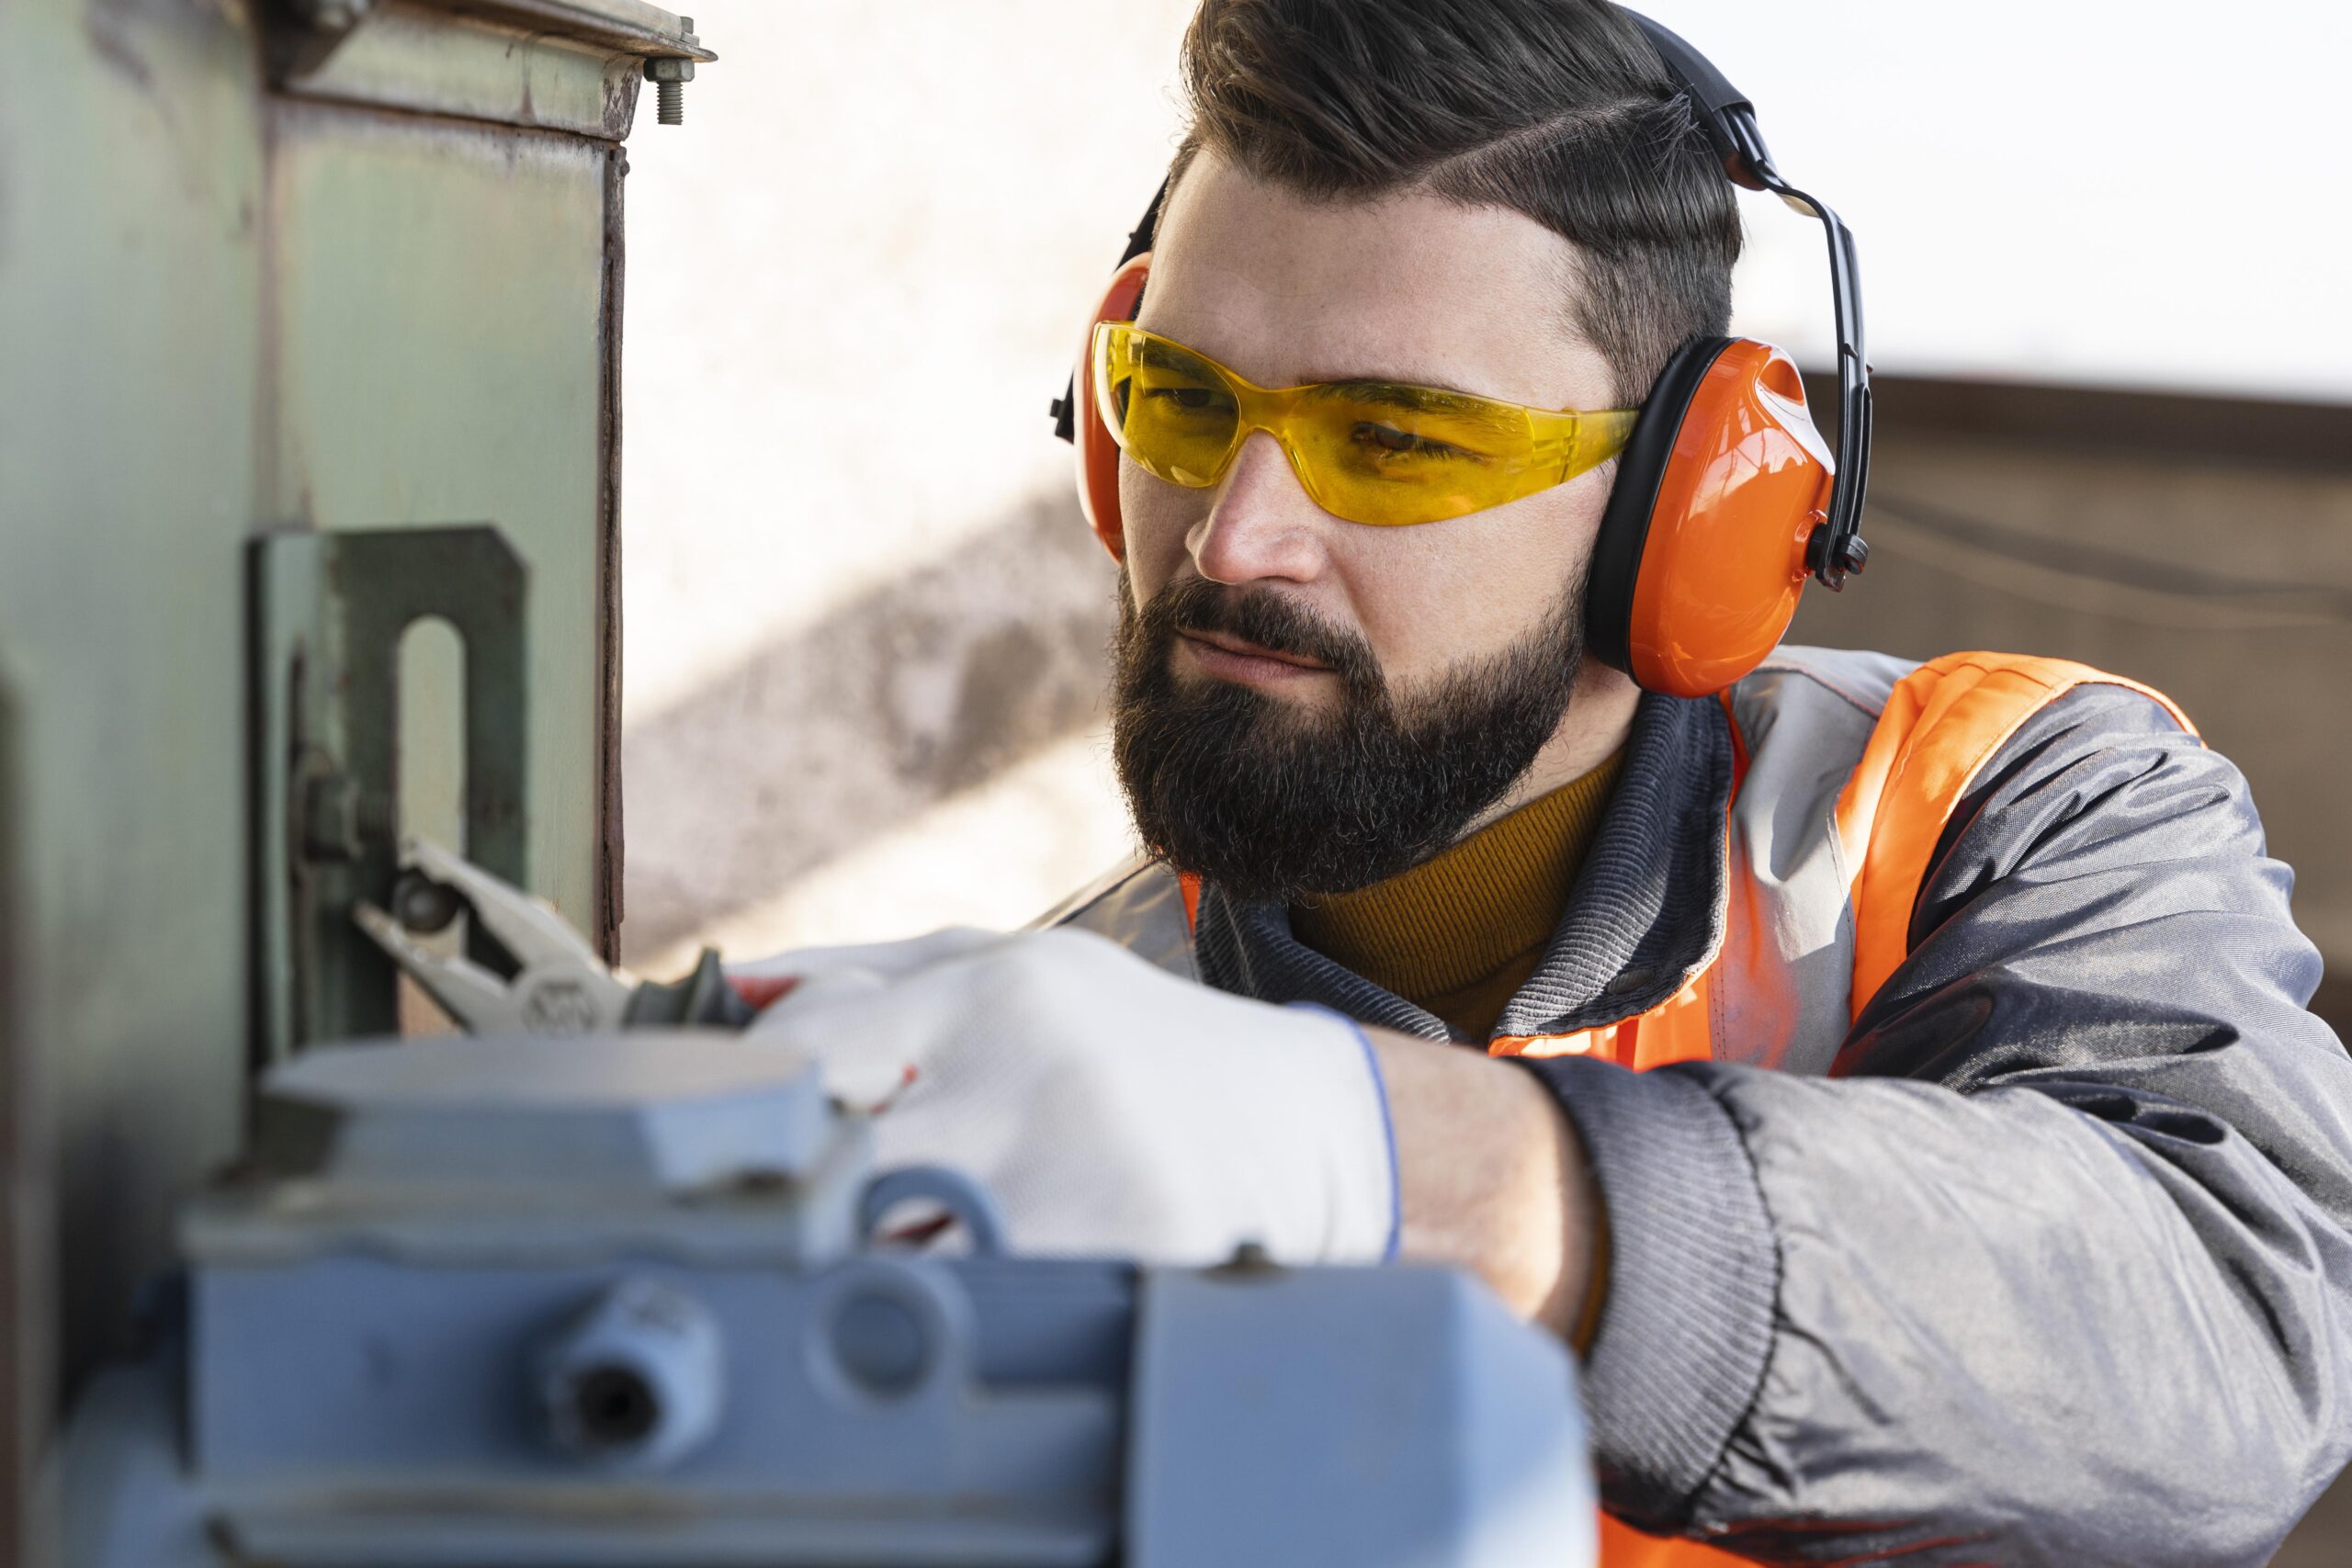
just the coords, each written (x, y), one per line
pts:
(843, 719)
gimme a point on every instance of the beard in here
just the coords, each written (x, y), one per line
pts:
(1266, 802)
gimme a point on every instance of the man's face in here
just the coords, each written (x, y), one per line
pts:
(1306, 704)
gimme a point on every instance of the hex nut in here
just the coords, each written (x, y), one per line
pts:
(335, 16)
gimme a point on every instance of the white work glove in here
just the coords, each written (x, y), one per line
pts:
(762, 981)
(1109, 1108)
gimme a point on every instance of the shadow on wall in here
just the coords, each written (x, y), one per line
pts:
(911, 693)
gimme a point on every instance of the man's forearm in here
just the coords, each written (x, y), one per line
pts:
(1490, 1176)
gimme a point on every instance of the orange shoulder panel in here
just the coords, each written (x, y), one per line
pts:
(1942, 724)
(1677, 1029)
(1188, 883)
(1623, 1546)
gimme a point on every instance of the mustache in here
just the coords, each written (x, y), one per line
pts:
(1263, 616)
(1270, 803)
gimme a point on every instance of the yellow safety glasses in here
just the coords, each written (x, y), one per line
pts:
(1370, 452)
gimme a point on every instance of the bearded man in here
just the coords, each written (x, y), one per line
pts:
(1894, 1081)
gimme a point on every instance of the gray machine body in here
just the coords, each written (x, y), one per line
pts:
(611, 1303)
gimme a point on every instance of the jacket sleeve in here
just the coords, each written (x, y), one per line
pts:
(2056, 1267)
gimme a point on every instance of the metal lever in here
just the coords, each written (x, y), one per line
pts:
(558, 984)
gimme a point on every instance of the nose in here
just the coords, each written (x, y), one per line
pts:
(1262, 524)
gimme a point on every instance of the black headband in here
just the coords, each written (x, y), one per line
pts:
(1729, 120)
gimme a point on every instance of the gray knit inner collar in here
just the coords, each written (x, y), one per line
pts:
(1645, 911)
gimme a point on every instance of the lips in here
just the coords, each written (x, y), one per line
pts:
(1244, 648)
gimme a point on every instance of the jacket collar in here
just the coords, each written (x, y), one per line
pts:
(1646, 914)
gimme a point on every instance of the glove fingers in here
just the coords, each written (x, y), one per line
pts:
(837, 1009)
(872, 1034)
(883, 958)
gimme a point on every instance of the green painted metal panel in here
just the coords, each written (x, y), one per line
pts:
(439, 293)
(251, 285)
(130, 287)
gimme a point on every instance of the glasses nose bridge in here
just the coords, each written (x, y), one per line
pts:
(1273, 411)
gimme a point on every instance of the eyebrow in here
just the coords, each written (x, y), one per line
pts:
(1398, 394)
(1169, 356)
(1412, 397)
(1418, 399)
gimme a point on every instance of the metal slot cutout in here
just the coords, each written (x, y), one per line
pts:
(330, 610)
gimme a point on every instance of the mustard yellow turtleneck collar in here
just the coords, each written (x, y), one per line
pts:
(1461, 932)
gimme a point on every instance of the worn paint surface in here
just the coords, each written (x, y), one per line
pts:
(411, 57)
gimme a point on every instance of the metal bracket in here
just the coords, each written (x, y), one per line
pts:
(299, 37)
(329, 610)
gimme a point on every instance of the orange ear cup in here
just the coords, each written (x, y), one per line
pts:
(1745, 483)
(1701, 556)
(1098, 455)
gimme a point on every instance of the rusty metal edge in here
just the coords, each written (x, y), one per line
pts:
(623, 24)
(610, 861)
(30, 1390)
(16, 1428)
(293, 48)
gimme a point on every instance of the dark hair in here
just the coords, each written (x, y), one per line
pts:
(1556, 109)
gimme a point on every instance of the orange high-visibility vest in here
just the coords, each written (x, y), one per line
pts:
(1847, 767)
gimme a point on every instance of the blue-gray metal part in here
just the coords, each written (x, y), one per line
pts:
(384, 1128)
(1356, 1415)
(638, 1381)
(965, 1199)
(396, 1310)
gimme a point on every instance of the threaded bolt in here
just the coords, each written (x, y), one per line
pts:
(669, 78)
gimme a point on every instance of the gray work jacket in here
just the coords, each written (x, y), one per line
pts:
(2037, 1250)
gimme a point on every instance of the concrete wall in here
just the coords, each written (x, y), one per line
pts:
(860, 688)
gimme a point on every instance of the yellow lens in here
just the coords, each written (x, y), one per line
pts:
(1170, 410)
(1378, 452)
(1383, 454)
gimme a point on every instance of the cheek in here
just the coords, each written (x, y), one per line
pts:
(1153, 519)
(1429, 597)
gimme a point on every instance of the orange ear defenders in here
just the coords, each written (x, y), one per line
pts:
(1098, 455)
(1725, 499)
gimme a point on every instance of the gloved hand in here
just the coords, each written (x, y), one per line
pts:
(1110, 1108)
(762, 981)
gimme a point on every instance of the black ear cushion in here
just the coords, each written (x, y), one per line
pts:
(1626, 525)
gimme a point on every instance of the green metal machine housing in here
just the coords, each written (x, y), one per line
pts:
(310, 315)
